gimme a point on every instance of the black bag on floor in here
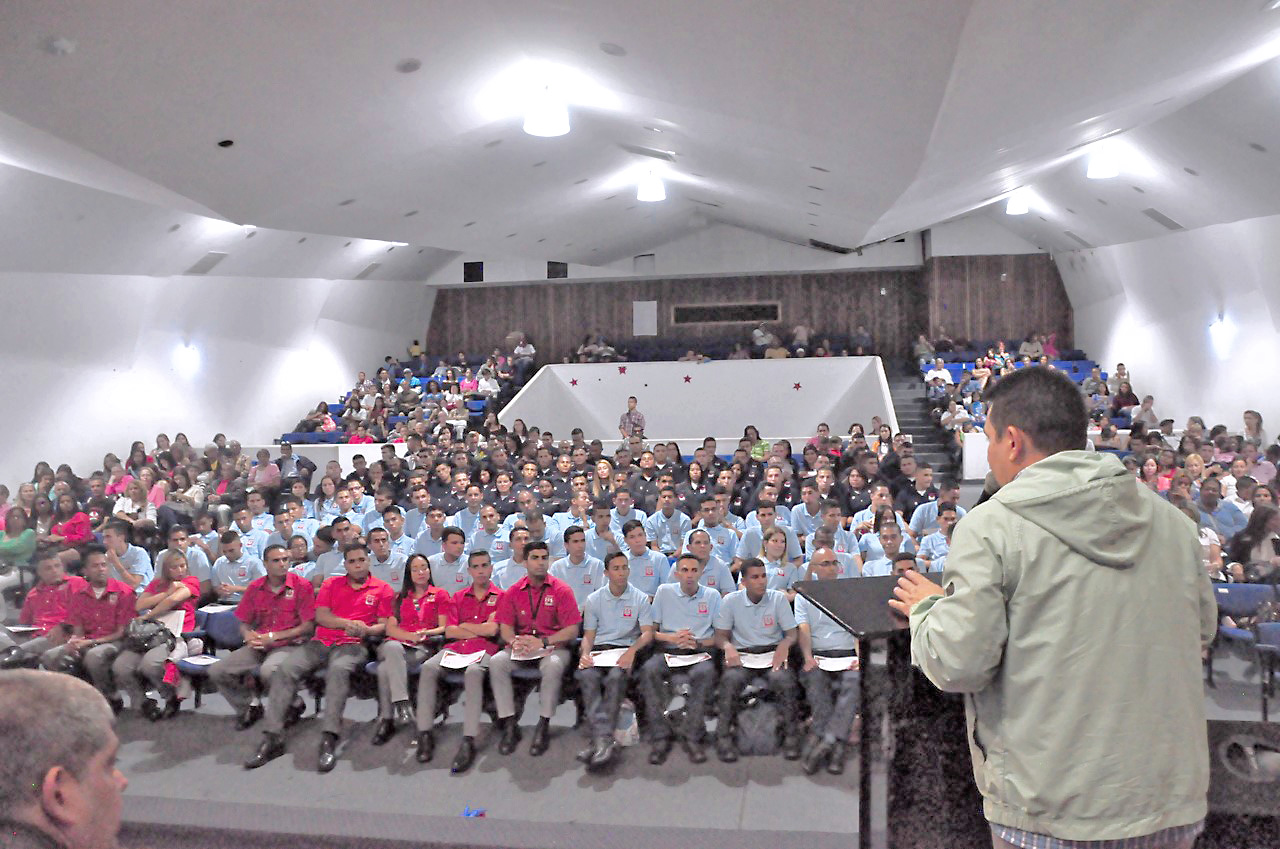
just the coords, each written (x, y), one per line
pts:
(758, 727)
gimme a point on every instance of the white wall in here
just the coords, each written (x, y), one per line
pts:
(88, 360)
(1149, 304)
(976, 235)
(719, 399)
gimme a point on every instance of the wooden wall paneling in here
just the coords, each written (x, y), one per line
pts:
(969, 298)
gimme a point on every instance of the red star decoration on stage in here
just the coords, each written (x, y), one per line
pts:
(622, 369)
(573, 382)
(688, 379)
(796, 386)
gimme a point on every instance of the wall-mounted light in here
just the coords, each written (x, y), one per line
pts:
(547, 115)
(650, 188)
(186, 359)
(1222, 332)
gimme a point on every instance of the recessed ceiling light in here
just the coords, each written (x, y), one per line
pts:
(814, 214)
(814, 203)
(1103, 162)
(1192, 172)
(408, 66)
(547, 115)
(226, 143)
(1255, 145)
(818, 188)
(1271, 5)
(650, 188)
(175, 228)
(819, 168)
(411, 213)
(539, 164)
(613, 49)
(580, 182)
(543, 239)
(1017, 204)
(653, 129)
(511, 235)
(1139, 190)
(303, 239)
(493, 143)
(347, 245)
(468, 224)
(398, 244)
(1101, 201)
(346, 202)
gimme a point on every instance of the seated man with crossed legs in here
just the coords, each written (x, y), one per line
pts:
(833, 696)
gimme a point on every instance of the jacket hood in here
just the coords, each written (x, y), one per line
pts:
(1087, 501)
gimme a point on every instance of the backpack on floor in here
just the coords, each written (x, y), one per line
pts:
(758, 726)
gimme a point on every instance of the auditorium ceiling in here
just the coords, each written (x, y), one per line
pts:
(846, 122)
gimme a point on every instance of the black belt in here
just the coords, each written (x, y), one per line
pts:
(834, 652)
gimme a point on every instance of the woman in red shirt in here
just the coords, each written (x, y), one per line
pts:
(70, 530)
(171, 600)
(420, 613)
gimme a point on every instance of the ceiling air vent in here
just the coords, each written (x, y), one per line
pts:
(368, 269)
(1162, 219)
(827, 246)
(1073, 237)
(652, 152)
(206, 262)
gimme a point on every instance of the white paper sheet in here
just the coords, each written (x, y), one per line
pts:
(608, 657)
(836, 664)
(202, 660)
(217, 608)
(453, 660)
(23, 629)
(763, 660)
(678, 661)
(536, 654)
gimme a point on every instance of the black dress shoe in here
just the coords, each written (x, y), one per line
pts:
(695, 751)
(541, 738)
(151, 709)
(404, 713)
(117, 705)
(791, 747)
(383, 731)
(585, 756)
(426, 746)
(510, 736)
(835, 766)
(606, 751)
(466, 755)
(171, 706)
(726, 750)
(272, 747)
(817, 757)
(248, 717)
(658, 754)
(294, 714)
(328, 753)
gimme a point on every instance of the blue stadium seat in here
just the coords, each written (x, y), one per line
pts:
(1237, 601)
(1267, 641)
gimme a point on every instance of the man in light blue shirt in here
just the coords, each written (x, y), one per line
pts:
(342, 502)
(648, 568)
(850, 564)
(489, 536)
(449, 564)
(262, 518)
(129, 563)
(284, 530)
(429, 540)
(384, 498)
(684, 624)
(536, 523)
(832, 696)
(333, 562)
(253, 540)
(667, 527)
(831, 518)
(301, 524)
(890, 537)
(578, 514)
(716, 574)
(615, 616)
(416, 517)
(624, 510)
(602, 540)
(935, 546)
(584, 574)
(468, 518)
(806, 515)
(361, 503)
(393, 521)
(1222, 516)
(385, 563)
(924, 520)
(756, 620)
(511, 570)
(232, 573)
(197, 564)
(724, 540)
(526, 501)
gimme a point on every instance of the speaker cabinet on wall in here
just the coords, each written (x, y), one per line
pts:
(473, 272)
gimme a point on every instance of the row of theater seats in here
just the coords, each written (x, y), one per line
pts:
(1242, 603)
(1077, 370)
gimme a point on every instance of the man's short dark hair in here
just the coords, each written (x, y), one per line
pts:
(451, 531)
(339, 520)
(630, 525)
(536, 545)
(614, 556)
(355, 546)
(749, 564)
(266, 552)
(1043, 403)
(481, 552)
(571, 530)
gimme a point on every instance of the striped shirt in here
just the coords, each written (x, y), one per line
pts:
(1164, 839)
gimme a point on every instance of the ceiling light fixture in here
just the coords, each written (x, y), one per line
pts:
(1222, 332)
(1017, 204)
(398, 244)
(651, 189)
(547, 115)
(1103, 162)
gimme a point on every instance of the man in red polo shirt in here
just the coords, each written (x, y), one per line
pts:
(276, 614)
(97, 616)
(537, 618)
(349, 608)
(45, 609)
(472, 627)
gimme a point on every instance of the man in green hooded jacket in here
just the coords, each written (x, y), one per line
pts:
(1073, 613)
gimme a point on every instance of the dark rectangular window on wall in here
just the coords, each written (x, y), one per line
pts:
(557, 270)
(473, 272)
(724, 313)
